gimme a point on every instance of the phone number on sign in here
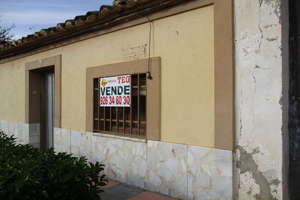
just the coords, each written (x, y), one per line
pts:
(115, 100)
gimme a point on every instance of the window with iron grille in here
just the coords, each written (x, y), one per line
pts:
(125, 121)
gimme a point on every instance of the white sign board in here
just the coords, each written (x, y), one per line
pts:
(115, 91)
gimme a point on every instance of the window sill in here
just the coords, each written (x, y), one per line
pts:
(120, 137)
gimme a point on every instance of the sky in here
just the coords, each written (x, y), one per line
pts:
(29, 16)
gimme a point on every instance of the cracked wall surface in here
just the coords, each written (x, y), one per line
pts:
(258, 93)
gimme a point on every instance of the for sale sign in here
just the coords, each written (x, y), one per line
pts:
(115, 91)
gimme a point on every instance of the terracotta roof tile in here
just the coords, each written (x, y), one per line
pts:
(104, 10)
(105, 15)
(91, 16)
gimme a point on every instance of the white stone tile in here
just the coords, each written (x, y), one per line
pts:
(21, 131)
(173, 169)
(62, 140)
(65, 140)
(209, 173)
(58, 140)
(5, 126)
(222, 187)
(75, 142)
(167, 162)
(99, 149)
(1, 125)
(75, 138)
(26, 133)
(125, 160)
(12, 129)
(137, 156)
(117, 158)
(86, 147)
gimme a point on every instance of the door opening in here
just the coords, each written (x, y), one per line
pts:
(41, 107)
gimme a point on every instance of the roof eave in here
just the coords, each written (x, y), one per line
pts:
(116, 17)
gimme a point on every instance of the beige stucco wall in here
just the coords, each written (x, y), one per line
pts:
(185, 42)
(12, 92)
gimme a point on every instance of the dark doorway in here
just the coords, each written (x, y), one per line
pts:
(294, 98)
(41, 106)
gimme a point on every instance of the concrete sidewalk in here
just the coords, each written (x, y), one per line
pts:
(119, 191)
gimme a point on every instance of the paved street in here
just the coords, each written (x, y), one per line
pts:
(118, 191)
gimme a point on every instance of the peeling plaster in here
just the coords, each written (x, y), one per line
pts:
(275, 4)
(259, 123)
(250, 166)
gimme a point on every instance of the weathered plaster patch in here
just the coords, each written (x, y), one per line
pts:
(258, 64)
(263, 180)
(135, 52)
(249, 188)
(274, 4)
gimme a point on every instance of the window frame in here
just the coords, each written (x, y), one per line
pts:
(123, 121)
(153, 98)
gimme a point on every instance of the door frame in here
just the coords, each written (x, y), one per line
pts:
(49, 106)
(31, 115)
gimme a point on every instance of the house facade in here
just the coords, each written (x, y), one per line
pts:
(189, 98)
